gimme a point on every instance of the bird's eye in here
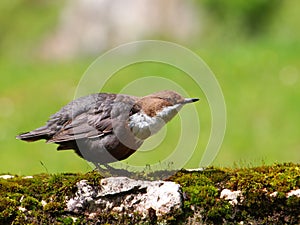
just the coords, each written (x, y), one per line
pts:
(135, 108)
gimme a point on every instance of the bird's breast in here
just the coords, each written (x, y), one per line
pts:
(143, 126)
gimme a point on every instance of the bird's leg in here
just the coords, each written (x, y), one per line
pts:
(102, 169)
(118, 172)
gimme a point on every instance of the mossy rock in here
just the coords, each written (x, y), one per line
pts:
(263, 200)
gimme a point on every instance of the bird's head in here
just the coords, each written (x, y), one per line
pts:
(151, 112)
(163, 104)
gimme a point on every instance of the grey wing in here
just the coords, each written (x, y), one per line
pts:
(86, 117)
(82, 126)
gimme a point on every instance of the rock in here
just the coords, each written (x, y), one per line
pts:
(6, 177)
(124, 195)
(274, 194)
(293, 193)
(234, 197)
(22, 209)
(43, 202)
(195, 169)
(28, 177)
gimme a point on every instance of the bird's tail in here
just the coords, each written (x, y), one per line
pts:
(37, 134)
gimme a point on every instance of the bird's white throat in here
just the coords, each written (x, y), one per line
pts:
(143, 126)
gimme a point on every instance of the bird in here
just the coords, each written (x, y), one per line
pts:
(105, 127)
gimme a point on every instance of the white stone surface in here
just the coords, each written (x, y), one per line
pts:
(196, 169)
(293, 192)
(122, 194)
(6, 176)
(22, 209)
(234, 197)
(274, 194)
(44, 203)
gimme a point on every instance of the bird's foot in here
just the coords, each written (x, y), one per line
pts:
(109, 171)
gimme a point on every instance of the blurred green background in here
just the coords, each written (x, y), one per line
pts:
(253, 48)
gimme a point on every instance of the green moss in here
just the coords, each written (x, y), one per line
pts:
(31, 203)
(29, 193)
(201, 192)
(54, 207)
(66, 221)
(8, 210)
(279, 177)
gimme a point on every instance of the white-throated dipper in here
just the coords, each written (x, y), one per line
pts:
(103, 128)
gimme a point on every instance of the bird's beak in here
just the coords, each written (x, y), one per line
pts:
(190, 100)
